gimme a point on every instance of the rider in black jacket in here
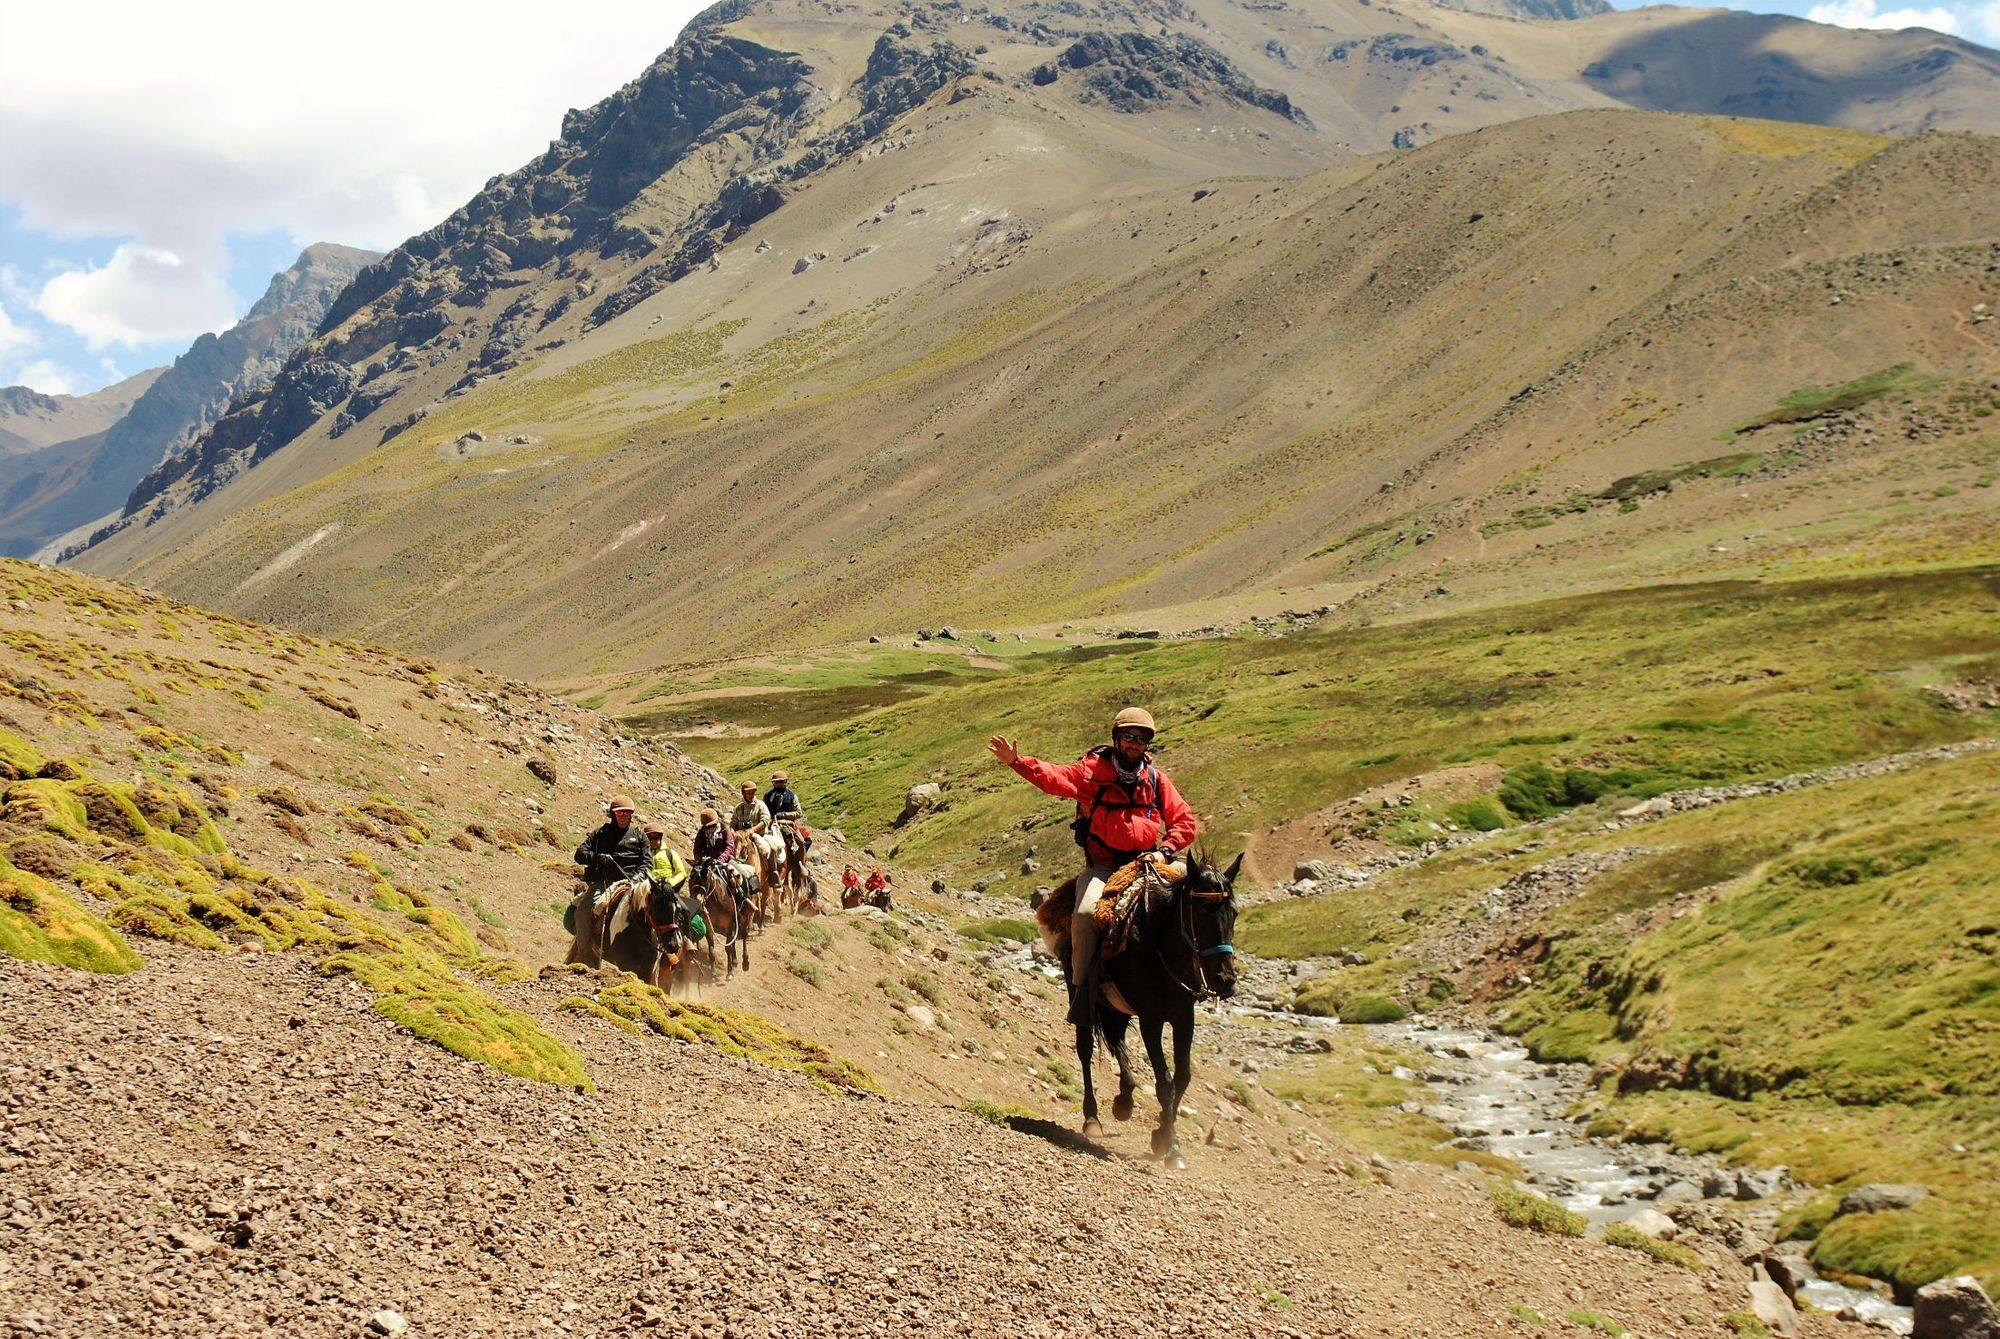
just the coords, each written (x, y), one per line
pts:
(617, 850)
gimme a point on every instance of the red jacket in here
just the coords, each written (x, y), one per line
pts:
(1121, 825)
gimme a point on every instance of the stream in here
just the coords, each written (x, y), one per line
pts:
(1494, 1098)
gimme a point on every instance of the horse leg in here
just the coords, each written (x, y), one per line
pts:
(1116, 1040)
(1183, 1076)
(583, 943)
(1163, 1085)
(1085, 1044)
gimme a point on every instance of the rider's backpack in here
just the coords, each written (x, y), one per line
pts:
(1148, 776)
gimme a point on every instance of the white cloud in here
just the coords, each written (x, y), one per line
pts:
(1863, 14)
(142, 294)
(168, 127)
(360, 122)
(13, 339)
(47, 377)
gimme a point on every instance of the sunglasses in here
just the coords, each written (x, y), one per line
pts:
(1139, 736)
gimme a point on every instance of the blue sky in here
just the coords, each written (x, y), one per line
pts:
(159, 162)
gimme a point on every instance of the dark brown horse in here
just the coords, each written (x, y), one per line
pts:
(1180, 951)
(727, 910)
(677, 943)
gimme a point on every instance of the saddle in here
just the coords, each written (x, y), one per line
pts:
(1117, 912)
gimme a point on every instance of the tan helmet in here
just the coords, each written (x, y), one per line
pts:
(622, 802)
(709, 816)
(655, 830)
(781, 777)
(1134, 718)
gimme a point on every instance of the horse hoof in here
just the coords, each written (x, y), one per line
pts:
(1175, 1162)
(1121, 1107)
(1093, 1128)
(1162, 1141)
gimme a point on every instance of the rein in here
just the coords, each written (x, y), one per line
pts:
(1184, 923)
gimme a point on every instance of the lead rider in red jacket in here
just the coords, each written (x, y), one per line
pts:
(1131, 811)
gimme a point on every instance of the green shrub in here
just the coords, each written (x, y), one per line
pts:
(1018, 928)
(812, 936)
(1592, 1320)
(1481, 815)
(1631, 1239)
(1534, 790)
(1372, 1009)
(806, 970)
(1526, 1209)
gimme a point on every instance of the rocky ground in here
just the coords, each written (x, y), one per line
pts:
(235, 1145)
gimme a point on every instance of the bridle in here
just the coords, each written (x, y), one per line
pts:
(1182, 910)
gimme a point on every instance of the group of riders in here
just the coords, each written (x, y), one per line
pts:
(1127, 810)
(1136, 834)
(761, 846)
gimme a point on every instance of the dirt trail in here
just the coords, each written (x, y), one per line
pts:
(235, 1145)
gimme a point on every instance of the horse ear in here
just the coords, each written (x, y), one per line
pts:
(1236, 865)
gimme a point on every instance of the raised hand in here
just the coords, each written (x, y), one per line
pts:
(1004, 749)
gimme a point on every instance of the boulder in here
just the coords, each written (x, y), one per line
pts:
(1654, 1224)
(1880, 1198)
(921, 1015)
(1317, 871)
(1954, 1308)
(1788, 1267)
(1678, 1192)
(1761, 1185)
(1769, 1304)
(920, 799)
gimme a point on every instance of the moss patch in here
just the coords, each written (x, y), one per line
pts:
(636, 1007)
(1525, 1209)
(40, 922)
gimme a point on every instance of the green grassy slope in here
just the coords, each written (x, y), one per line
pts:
(1653, 689)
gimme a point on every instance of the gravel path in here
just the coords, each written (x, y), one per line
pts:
(234, 1145)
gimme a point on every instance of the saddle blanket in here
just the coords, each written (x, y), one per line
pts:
(1117, 911)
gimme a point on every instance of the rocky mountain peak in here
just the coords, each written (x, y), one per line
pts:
(323, 268)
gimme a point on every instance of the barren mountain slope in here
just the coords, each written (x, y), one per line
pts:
(31, 421)
(1050, 383)
(292, 869)
(764, 104)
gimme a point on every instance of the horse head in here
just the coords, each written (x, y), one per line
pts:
(1211, 893)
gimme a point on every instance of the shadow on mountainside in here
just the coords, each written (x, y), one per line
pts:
(1738, 64)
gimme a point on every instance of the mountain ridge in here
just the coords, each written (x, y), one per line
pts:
(74, 483)
(978, 161)
(31, 420)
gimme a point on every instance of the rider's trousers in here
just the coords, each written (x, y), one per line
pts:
(1083, 921)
